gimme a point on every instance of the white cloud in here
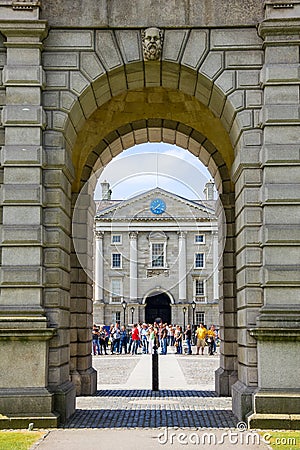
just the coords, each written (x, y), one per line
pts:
(139, 169)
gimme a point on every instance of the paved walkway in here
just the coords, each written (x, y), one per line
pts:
(127, 414)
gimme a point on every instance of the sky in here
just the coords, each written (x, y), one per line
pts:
(151, 165)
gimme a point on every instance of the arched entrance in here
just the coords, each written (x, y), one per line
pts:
(161, 121)
(158, 305)
(206, 95)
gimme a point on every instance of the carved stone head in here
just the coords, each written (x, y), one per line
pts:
(152, 39)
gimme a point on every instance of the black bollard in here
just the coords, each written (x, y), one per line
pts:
(155, 368)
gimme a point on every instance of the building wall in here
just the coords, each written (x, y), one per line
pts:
(165, 283)
(181, 217)
(136, 13)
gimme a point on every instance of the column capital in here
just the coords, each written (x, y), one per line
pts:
(24, 33)
(133, 235)
(99, 234)
(182, 234)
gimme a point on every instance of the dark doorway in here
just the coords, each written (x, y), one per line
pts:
(158, 306)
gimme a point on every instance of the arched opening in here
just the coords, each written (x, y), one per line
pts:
(158, 306)
(190, 139)
(149, 114)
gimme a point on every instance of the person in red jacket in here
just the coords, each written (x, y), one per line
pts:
(135, 336)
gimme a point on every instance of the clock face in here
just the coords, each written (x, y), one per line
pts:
(157, 206)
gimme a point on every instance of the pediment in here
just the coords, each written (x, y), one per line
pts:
(158, 236)
(139, 208)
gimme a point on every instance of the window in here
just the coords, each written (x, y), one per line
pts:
(158, 252)
(199, 260)
(199, 238)
(200, 317)
(116, 260)
(116, 290)
(199, 291)
(158, 255)
(116, 239)
(116, 317)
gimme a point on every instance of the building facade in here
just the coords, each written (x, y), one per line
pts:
(156, 256)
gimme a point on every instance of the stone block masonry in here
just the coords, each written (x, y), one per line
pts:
(76, 90)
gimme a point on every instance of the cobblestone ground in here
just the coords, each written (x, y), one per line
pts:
(134, 408)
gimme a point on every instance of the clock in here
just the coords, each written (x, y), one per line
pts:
(157, 206)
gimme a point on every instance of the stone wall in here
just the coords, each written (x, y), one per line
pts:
(142, 13)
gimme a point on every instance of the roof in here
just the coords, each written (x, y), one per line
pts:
(138, 207)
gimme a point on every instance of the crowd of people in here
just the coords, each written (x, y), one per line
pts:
(147, 338)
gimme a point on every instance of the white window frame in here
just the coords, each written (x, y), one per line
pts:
(116, 267)
(115, 319)
(163, 254)
(199, 298)
(157, 237)
(112, 296)
(199, 267)
(200, 321)
(116, 243)
(195, 239)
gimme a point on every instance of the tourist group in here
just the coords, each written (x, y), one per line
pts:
(149, 338)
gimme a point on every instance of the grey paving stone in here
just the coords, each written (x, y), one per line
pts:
(144, 408)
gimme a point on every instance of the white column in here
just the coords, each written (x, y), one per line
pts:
(215, 266)
(182, 265)
(99, 267)
(133, 267)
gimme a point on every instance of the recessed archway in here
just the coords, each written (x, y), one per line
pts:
(160, 115)
(158, 306)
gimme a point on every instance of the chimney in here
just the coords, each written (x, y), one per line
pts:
(106, 191)
(209, 190)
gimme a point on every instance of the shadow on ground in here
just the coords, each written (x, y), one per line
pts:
(154, 394)
(149, 409)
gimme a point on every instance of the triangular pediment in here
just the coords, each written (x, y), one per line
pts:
(157, 236)
(141, 207)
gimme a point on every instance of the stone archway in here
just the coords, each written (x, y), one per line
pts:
(232, 97)
(158, 127)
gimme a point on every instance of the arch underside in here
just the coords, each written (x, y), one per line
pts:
(149, 115)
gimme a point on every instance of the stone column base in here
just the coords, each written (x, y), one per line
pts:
(224, 379)
(22, 421)
(84, 381)
(274, 421)
(275, 409)
(65, 400)
(242, 399)
(25, 406)
(76, 381)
